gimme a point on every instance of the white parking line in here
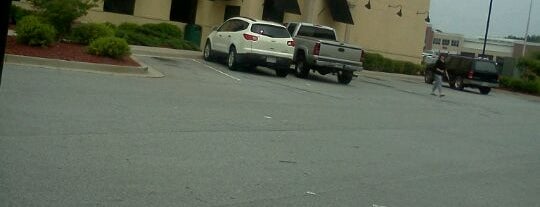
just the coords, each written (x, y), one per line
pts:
(219, 71)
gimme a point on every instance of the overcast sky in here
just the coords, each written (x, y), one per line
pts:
(468, 17)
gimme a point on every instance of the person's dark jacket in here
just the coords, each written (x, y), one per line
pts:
(439, 65)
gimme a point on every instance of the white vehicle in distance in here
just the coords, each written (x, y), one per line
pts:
(246, 42)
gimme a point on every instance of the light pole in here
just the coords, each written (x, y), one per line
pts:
(527, 31)
(4, 22)
(487, 28)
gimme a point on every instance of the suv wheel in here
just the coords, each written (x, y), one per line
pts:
(232, 61)
(485, 90)
(428, 77)
(459, 83)
(452, 82)
(302, 70)
(208, 56)
(345, 77)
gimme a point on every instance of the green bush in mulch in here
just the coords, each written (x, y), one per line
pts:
(31, 30)
(86, 33)
(110, 47)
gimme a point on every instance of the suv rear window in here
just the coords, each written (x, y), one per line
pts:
(270, 30)
(317, 32)
(484, 66)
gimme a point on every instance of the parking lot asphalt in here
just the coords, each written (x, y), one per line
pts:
(207, 136)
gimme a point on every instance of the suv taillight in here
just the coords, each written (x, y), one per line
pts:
(251, 37)
(470, 74)
(317, 48)
(362, 56)
(291, 43)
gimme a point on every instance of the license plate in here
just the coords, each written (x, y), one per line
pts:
(484, 84)
(271, 59)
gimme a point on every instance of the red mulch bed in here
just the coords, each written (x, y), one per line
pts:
(64, 51)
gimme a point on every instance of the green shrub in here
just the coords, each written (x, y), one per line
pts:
(377, 62)
(18, 13)
(128, 26)
(154, 35)
(110, 25)
(62, 13)
(109, 46)
(136, 38)
(516, 84)
(163, 30)
(86, 33)
(32, 31)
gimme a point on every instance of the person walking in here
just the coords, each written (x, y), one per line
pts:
(440, 70)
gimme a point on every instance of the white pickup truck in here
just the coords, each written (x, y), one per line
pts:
(317, 49)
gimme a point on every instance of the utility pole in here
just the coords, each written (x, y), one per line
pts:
(527, 31)
(487, 28)
(4, 23)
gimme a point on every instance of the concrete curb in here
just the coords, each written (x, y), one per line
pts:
(142, 71)
(165, 52)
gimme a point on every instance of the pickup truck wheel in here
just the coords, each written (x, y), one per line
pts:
(208, 56)
(232, 61)
(485, 90)
(282, 72)
(345, 77)
(458, 83)
(302, 70)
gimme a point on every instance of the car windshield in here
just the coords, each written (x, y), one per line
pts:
(317, 32)
(270, 30)
(484, 66)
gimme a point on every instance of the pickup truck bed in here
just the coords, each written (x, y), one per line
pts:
(317, 49)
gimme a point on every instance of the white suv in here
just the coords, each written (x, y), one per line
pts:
(249, 42)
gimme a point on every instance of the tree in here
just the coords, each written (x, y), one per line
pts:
(532, 38)
(62, 13)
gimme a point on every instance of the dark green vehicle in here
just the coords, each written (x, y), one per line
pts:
(468, 72)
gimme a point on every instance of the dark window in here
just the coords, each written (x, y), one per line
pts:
(226, 27)
(455, 43)
(445, 42)
(119, 6)
(317, 32)
(340, 11)
(437, 41)
(238, 25)
(454, 63)
(291, 28)
(468, 54)
(233, 25)
(272, 11)
(466, 64)
(231, 11)
(484, 66)
(270, 31)
(183, 11)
